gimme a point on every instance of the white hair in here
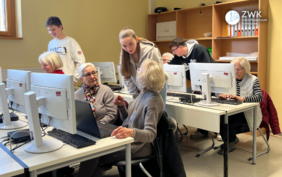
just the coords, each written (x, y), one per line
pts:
(51, 58)
(152, 76)
(243, 62)
(83, 66)
(170, 56)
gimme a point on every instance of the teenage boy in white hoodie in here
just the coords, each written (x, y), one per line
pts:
(184, 51)
(67, 48)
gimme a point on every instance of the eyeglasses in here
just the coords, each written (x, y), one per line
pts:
(173, 50)
(239, 69)
(92, 73)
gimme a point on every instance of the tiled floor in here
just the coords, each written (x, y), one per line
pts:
(211, 164)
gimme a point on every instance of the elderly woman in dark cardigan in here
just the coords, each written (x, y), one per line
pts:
(139, 121)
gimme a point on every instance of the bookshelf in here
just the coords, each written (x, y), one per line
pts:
(192, 23)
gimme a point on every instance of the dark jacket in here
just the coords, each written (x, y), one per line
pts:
(269, 115)
(167, 152)
(199, 53)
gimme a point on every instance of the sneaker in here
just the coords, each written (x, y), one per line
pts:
(218, 137)
(232, 146)
(197, 134)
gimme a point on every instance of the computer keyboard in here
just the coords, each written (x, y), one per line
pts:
(223, 101)
(113, 87)
(74, 140)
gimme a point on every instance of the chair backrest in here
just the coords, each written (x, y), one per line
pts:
(119, 120)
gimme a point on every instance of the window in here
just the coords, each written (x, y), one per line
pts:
(7, 18)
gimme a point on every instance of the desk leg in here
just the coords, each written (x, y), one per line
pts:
(255, 135)
(225, 146)
(128, 160)
(33, 173)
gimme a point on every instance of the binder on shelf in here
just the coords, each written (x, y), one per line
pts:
(235, 30)
(253, 26)
(232, 30)
(257, 25)
(246, 26)
(229, 30)
(250, 26)
(239, 28)
(242, 27)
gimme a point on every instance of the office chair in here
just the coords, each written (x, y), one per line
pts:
(149, 163)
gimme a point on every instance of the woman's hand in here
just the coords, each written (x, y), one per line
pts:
(223, 96)
(122, 132)
(235, 97)
(119, 101)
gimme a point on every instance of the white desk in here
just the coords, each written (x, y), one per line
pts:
(8, 166)
(208, 118)
(67, 155)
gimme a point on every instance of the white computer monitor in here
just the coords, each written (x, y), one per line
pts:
(18, 82)
(52, 95)
(107, 71)
(176, 78)
(213, 77)
(121, 82)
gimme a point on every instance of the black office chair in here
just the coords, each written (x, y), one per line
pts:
(147, 166)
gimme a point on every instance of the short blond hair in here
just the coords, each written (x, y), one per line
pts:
(51, 58)
(243, 62)
(152, 76)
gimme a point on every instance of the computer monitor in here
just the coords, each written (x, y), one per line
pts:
(213, 77)
(176, 78)
(107, 71)
(121, 82)
(18, 82)
(51, 95)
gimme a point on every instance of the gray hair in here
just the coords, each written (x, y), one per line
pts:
(83, 66)
(243, 62)
(170, 56)
(51, 58)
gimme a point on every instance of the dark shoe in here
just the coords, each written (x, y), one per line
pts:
(197, 134)
(232, 147)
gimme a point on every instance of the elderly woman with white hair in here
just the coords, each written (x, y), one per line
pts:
(100, 96)
(248, 90)
(167, 57)
(139, 121)
(51, 62)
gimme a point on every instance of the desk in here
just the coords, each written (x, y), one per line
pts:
(8, 166)
(208, 118)
(67, 155)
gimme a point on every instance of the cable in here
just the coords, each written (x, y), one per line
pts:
(12, 136)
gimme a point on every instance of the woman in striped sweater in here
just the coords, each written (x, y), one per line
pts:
(248, 90)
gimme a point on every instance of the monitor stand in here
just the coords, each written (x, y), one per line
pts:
(206, 91)
(38, 145)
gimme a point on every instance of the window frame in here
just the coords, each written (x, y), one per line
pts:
(11, 20)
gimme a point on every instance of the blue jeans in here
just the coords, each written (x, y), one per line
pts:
(163, 94)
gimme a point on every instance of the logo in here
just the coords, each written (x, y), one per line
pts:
(226, 74)
(20, 84)
(58, 93)
(79, 52)
(232, 17)
(175, 73)
(252, 14)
